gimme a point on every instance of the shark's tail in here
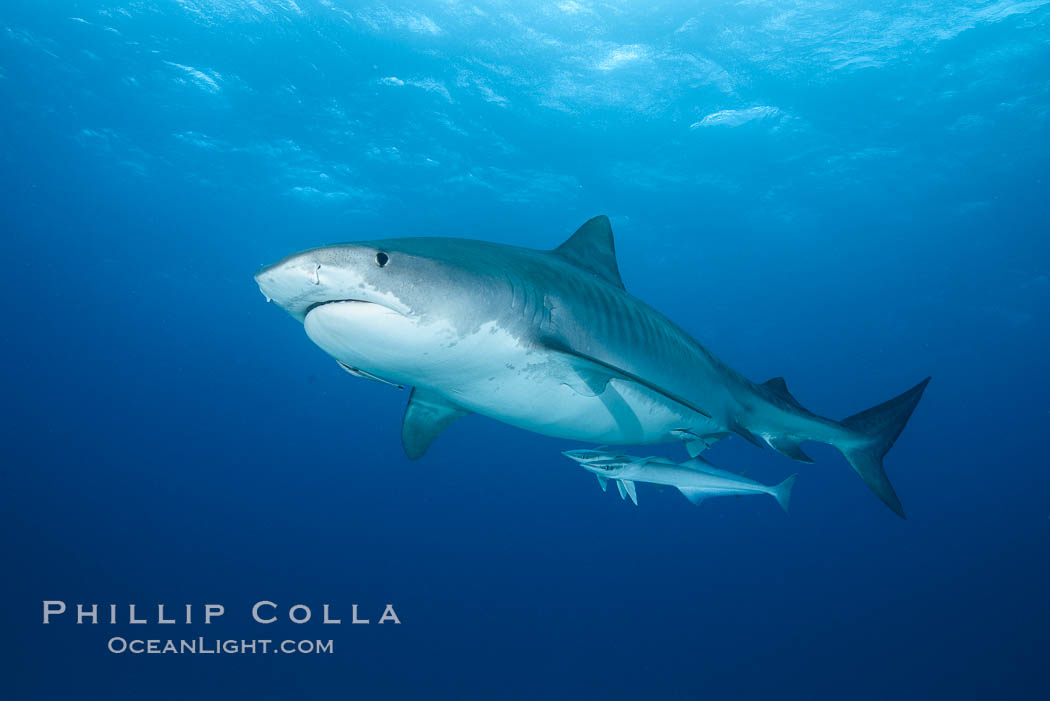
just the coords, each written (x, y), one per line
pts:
(782, 492)
(874, 432)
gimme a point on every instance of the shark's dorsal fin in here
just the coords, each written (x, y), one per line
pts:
(780, 388)
(591, 248)
(426, 416)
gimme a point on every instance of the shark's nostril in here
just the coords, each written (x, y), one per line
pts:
(317, 279)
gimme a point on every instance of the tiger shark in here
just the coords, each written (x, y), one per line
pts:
(696, 478)
(551, 342)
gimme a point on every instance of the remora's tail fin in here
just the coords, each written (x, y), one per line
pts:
(782, 492)
(877, 429)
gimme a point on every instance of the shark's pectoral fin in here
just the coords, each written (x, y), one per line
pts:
(791, 447)
(426, 416)
(627, 489)
(631, 490)
(603, 481)
(694, 495)
(595, 373)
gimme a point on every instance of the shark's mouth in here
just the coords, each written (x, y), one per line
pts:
(606, 464)
(315, 305)
(339, 331)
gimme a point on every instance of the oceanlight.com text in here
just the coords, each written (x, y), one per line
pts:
(214, 646)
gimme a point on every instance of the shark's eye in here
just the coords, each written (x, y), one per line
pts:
(382, 259)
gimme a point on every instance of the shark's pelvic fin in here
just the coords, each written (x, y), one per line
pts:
(791, 447)
(595, 371)
(603, 481)
(780, 388)
(631, 490)
(426, 416)
(591, 248)
(742, 431)
(696, 444)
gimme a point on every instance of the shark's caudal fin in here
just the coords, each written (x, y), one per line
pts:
(876, 430)
(782, 492)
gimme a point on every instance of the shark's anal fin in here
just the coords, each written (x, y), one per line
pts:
(694, 495)
(591, 248)
(426, 416)
(595, 372)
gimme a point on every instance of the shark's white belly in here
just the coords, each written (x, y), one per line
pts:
(490, 372)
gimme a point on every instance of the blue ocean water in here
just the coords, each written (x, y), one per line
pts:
(851, 195)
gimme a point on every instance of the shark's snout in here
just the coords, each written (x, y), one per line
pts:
(585, 456)
(344, 273)
(264, 279)
(294, 284)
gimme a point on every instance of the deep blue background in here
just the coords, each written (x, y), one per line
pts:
(850, 195)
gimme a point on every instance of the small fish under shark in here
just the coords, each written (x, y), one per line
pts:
(696, 478)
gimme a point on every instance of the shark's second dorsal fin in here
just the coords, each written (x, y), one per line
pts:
(779, 387)
(426, 416)
(591, 248)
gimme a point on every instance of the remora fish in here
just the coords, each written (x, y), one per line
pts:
(548, 341)
(696, 478)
